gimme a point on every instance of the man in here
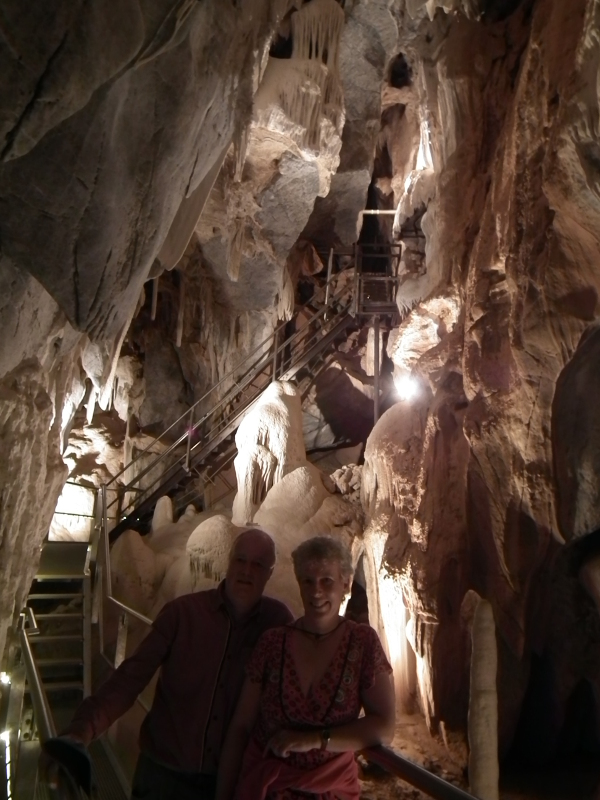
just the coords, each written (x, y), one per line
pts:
(201, 641)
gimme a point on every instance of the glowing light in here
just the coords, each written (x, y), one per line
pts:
(5, 736)
(406, 386)
(5, 678)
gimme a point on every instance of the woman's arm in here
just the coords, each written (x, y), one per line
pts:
(236, 740)
(376, 727)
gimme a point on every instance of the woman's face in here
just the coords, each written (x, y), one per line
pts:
(322, 588)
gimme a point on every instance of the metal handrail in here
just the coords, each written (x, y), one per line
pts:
(108, 572)
(417, 776)
(39, 699)
(303, 335)
(265, 343)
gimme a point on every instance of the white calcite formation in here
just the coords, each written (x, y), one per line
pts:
(270, 444)
(486, 149)
(278, 491)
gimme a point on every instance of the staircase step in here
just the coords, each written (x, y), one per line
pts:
(62, 637)
(52, 596)
(61, 686)
(59, 662)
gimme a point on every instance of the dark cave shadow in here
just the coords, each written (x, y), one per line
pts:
(345, 409)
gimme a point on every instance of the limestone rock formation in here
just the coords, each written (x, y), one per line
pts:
(270, 445)
(31, 466)
(121, 304)
(460, 486)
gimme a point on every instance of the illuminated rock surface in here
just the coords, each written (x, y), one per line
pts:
(477, 121)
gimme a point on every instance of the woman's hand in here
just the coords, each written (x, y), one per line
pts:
(285, 742)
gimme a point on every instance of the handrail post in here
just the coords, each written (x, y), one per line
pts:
(41, 707)
(190, 431)
(120, 498)
(121, 647)
(275, 353)
(106, 547)
(329, 271)
(375, 369)
(356, 279)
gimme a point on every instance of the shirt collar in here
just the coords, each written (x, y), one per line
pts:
(221, 602)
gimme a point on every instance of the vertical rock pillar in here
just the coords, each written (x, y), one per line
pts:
(483, 706)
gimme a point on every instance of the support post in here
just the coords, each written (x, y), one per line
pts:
(87, 633)
(328, 284)
(275, 353)
(375, 369)
(121, 647)
(188, 446)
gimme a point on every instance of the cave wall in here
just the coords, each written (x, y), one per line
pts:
(461, 486)
(108, 121)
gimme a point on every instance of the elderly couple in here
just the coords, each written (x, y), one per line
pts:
(250, 704)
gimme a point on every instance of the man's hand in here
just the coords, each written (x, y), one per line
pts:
(285, 742)
(49, 768)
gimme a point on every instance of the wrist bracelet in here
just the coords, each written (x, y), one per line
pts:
(325, 738)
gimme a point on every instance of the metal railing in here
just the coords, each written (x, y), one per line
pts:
(278, 357)
(39, 699)
(384, 757)
(417, 776)
(62, 784)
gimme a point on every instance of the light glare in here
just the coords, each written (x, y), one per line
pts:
(5, 678)
(5, 736)
(406, 386)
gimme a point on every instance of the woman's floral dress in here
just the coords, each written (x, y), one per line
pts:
(336, 699)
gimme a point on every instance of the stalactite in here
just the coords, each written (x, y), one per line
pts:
(181, 311)
(154, 297)
(308, 86)
(236, 249)
(316, 31)
(240, 148)
(127, 443)
(285, 298)
(91, 405)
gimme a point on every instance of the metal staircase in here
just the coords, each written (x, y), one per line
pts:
(201, 443)
(60, 598)
(50, 666)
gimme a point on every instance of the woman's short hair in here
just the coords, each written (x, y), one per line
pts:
(323, 548)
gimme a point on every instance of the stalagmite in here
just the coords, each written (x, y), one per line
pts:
(483, 706)
(91, 405)
(207, 550)
(163, 513)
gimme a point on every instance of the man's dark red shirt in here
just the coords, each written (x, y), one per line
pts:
(202, 653)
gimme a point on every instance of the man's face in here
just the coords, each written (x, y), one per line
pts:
(250, 567)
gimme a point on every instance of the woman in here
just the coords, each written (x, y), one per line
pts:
(298, 716)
